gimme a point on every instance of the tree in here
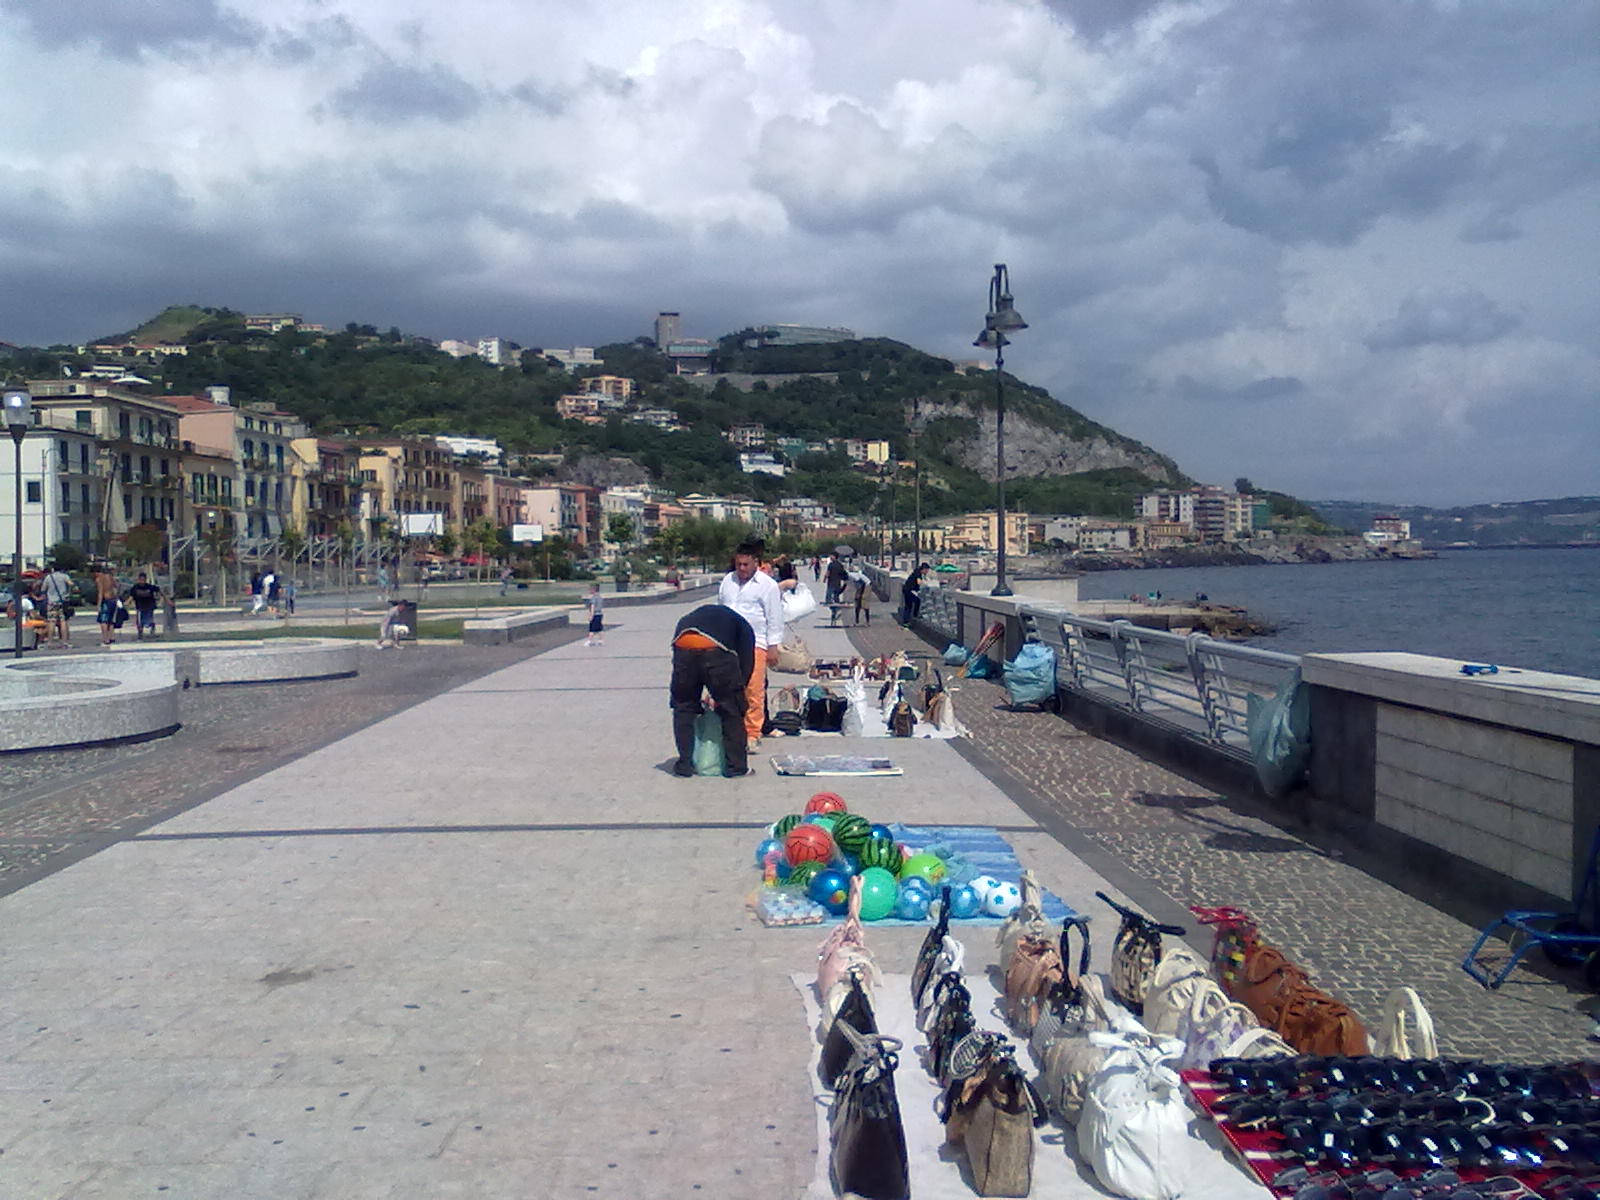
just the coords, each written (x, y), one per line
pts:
(619, 529)
(142, 544)
(291, 545)
(1243, 486)
(68, 557)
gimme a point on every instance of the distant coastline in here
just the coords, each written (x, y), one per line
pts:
(1279, 553)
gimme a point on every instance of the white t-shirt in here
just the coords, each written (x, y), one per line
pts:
(759, 602)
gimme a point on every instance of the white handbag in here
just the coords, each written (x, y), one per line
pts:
(798, 602)
(1210, 1025)
(952, 954)
(1072, 1059)
(1258, 1043)
(1406, 1028)
(1135, 1122)
(1178, 975)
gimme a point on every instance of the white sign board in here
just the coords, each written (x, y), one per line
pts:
(422, 524)
(527, 533)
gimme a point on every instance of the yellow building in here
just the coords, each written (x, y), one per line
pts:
(977, 530)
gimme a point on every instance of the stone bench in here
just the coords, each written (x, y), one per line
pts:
(498, 631)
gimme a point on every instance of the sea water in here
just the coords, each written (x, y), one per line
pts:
(1535, 609)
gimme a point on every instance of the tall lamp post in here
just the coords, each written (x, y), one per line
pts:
(18, 406)
(1002, 319)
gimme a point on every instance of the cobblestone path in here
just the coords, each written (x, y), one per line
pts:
(1357, 935)
(58, 806)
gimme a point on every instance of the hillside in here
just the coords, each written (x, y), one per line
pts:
(1559, 522)
(360, 381)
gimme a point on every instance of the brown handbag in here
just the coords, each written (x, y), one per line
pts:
(1268, 980)
(991, 1110)
(1313, 1022)
(1035, 969)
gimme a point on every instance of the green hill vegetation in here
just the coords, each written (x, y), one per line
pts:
(360, 380)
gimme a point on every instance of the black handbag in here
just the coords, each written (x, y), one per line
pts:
(1062, 1010)
(952, 1021)
(931, 945)
(856, 1012)
(868, 1140)
(825, 714)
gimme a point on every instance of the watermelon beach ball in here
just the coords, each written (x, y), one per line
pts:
(831, 889)
(801, 875)
(826, 802)
(930, 866)
(808, 843)
(780, 828)
(876, 852)
(851, 831)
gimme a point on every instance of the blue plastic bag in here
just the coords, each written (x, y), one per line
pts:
(1280, 735)
(982, 667)
(955, 654)
(708, 757)
(1031, 675)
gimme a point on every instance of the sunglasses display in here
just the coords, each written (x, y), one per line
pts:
(1316, 1127)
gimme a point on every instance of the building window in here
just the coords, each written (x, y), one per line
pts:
(249, 489)
(227, 489)
(83, 418)
(64, 456)
(124, 425)
(249, 423)
(127, 507)
(35, 491)
(83, 497)
(127, 469)
(83, 458)
(280, 457)
(249, 448)
(164, 470)
(277, 495)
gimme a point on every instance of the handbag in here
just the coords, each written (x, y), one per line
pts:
(1406, 1028)
(932, 943)
(1062, 1010)
(1135, 1121)
(1232, 943)
(867, 1139)
(1259, 1042)
(1177, 976)
(824, 711)
(952, 1021)
(992, 1109)
(948, 962)
(1027, 920)
(1035, 969)
(797, 602)
(1135, 953)
(1268, 980)
(855, 1010)
(1073, 1058)
(845, 948)
(1313, 1022)
(793, 656)
(902, 721)
(1210, 1025)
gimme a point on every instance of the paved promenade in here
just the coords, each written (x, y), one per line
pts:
(485, 945)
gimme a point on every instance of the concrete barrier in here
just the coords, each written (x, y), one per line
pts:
(498, 631)
(131, 693)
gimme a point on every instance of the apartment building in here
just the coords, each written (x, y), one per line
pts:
(60, 491)
(578, 408)
(330, 485)
(979, 530)
(407, 476)
(571, 509)
(618, 389)
(261, 440)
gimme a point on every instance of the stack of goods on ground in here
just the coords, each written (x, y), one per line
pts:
(810, 860)
(1174, 1076)
(882, 697)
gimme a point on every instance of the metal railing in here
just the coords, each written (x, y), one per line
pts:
(1194, 683)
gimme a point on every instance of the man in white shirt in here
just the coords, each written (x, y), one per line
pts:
(754, 595)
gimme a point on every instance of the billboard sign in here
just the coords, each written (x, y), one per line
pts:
(422, 524)
(527, 533)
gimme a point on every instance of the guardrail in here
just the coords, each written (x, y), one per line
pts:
(1195, 683)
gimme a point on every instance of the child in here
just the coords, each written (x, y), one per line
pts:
(594, 604)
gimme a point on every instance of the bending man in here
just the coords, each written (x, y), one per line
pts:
(713, 649)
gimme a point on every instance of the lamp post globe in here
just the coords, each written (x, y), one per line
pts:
(17, 406)
(1001, 319)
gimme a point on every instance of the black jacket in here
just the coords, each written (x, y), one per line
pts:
(724, 627)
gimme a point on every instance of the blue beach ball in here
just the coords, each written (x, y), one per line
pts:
(882, 831)
(964, 902)
(912, 903)
(768, 846)
(831, 889)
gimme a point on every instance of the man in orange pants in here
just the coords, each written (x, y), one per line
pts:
(755, 596)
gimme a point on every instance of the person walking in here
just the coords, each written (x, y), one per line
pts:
(911, 594)
(837, 578)
(258, 593)
(145, 596)
(863, 597)
(273, 589)
(713, 650)
(816, 569)
(290, 591)
(57, 590)
(506, 577)
(754, 595)
(595, 604)
(105, 598)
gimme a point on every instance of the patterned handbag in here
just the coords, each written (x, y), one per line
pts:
(952, 1021)
(947, 963)
(1062, 1011)
(1234, 940)
(1028, 919)
(932, 943)
(1135, 953)
(1034, 971)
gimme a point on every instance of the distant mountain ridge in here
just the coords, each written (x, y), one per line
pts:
(1557, 522)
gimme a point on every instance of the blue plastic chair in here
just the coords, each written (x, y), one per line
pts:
(1568, 939)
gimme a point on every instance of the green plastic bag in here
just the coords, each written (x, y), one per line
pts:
(1280, 735)
(708, 757)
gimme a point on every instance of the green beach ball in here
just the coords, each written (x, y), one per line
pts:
(930, 866)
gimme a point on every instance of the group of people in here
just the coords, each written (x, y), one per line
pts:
(270, 594)
(49, 603)
(724, 649)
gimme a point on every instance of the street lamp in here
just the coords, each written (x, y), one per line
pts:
(1002, 318)
(18, 405)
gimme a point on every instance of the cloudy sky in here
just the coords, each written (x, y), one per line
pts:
(1345, 247)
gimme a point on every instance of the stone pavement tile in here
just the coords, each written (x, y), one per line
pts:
(49, 1181)
(205, 1181)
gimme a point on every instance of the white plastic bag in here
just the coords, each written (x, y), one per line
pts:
(1134, 1131)
(856, 696)
(798, 602)
(1177, 976)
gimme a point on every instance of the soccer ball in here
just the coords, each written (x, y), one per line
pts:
(981, 885)
(1003, 900)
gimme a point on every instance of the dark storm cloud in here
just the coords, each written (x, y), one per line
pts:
(391, 94)
(1493, 227)
(1463, 318)
(125, 30)
(1094, 19)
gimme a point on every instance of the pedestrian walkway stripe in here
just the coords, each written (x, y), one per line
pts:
(592, 827)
